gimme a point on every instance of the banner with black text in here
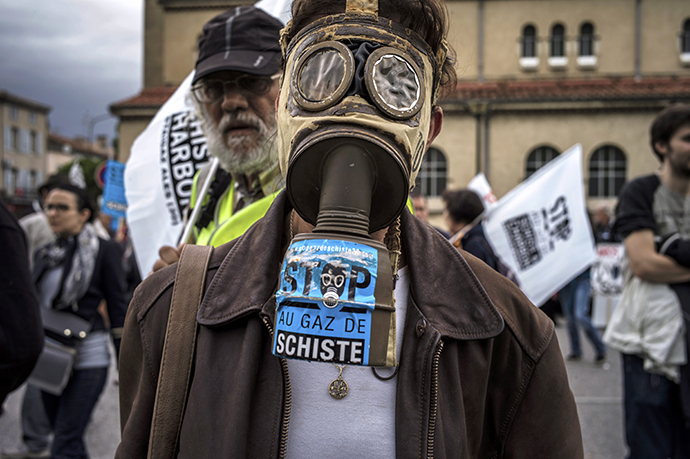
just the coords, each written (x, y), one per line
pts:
(541, 229)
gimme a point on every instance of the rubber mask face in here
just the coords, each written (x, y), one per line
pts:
(355, 76)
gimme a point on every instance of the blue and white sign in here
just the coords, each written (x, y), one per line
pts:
(114, 200)
(325, 302)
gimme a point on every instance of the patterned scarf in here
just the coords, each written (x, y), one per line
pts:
(76, 281)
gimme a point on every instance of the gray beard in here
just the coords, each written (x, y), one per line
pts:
(240, 154)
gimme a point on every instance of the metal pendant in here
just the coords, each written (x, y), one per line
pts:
(338, 387)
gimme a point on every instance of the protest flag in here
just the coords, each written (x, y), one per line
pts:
(159, 176)
(481, 186)
(541, 229)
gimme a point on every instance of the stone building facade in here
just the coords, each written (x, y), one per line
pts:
(535, 78)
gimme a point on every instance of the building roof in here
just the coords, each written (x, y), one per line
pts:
(147, 98)
(600, 89)
(62, 144)
(12, 98)
(563, 90)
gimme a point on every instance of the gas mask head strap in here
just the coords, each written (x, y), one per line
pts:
(362, 6)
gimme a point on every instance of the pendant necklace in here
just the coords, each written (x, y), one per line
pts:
(338, 387)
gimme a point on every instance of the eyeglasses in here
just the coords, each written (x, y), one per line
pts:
(58, 207)
(212, 91)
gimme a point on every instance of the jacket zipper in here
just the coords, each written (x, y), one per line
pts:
(287, 406)
(434, 400)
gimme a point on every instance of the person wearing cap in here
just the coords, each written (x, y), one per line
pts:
(233, 91)
(467, 367)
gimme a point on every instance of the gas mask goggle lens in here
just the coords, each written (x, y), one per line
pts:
(324, 75)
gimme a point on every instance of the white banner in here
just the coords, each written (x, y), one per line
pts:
(159, 174)
(281, 9)
(481, 186)
(541, 230)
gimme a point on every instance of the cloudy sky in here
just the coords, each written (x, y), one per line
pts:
(77, 56)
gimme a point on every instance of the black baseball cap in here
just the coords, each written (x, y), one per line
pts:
(244, 39)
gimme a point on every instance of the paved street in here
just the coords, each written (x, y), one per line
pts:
(597, 389)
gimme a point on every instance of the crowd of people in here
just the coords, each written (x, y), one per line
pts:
(472, 368)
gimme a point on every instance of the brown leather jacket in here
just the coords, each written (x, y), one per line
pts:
(481, 374)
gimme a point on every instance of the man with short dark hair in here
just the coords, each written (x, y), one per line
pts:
(374, 337)
(463, 208)
(647, 326)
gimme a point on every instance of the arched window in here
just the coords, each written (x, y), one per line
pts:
(558, 41)
(538, 158)
(586, 39)
(685, 37)
(529, 41)
(607, 168)
(433, 173)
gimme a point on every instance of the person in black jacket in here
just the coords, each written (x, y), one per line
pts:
(21, 333)
(463, 207)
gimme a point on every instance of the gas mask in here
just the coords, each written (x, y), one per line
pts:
(353, 121)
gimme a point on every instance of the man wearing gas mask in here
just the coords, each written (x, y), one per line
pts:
(339, 325)
(234, 90)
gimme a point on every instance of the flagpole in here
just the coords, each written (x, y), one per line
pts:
(201, 194)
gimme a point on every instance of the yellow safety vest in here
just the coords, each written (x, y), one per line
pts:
(227, 225)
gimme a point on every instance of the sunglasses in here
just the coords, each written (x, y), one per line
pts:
(58, 207)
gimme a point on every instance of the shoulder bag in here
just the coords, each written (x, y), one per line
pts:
(178, 351)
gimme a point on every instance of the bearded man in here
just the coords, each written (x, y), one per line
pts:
(234, 90)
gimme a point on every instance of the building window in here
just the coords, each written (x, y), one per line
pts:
(558, 41)
(607, 168)
(685, 44)
(529, 41)
(14, 139)
(32, 117)
(33, 142)
(586, 39)
(14, 113)
(538, 158)
(433, 173)
(10, 175)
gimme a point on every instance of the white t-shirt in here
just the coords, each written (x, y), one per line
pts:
(362, 424)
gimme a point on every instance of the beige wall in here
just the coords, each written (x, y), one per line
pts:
(513, 137)
(462, 36)
(662, 21)
(181, 35)
(613, 20)
(457, 143)
(128, 130)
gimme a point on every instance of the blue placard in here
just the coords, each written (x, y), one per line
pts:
(114, 200)
(325, 301)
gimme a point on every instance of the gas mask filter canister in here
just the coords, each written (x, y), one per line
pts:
(353, 116)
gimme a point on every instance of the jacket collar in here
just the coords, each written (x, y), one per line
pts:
(454, 303)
